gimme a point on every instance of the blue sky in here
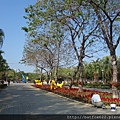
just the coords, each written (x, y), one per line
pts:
(11, 21)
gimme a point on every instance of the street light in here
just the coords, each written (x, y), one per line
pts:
(102, 75)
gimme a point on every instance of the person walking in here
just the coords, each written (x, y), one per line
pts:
(9, 82)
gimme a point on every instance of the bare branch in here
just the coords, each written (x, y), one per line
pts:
(98, 6)
(117, 42)
(116, 16)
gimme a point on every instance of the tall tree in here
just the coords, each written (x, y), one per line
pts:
(48, 34)
(46, 53)
(78, 22)
(108, 14)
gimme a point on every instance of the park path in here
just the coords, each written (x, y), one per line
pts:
(22, 98)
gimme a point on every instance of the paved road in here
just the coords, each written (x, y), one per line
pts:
(22, 98)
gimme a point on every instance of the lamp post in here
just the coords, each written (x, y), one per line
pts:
(102, 75)
(97, 72)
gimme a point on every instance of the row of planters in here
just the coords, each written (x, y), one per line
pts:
(84, 96)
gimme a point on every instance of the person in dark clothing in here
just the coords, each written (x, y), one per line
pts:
(2, 81)
(8, 82)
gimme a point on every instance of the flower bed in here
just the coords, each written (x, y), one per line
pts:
(84, 96)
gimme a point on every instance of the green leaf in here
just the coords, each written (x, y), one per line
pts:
(79, 2)
(79, 13)
(117, 19)
(25, 29)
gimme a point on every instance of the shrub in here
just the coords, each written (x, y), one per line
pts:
(97, 85)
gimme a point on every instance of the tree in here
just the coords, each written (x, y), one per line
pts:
(3, 66)
(118, 66)
(77, 20)
(48, 37)
(45, 53)
(106, 69)
(88, 71)
(35, 55)
(2, 35)
(108, 14)
(96, 69)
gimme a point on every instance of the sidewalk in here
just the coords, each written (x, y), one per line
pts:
(22, 98)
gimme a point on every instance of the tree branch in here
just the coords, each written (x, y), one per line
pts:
(117, 42)
(116, 16)
(97, 6)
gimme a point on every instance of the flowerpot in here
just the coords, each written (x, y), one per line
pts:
(113, 107)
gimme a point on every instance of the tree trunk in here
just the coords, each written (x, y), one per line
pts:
(58, 59)
(114, 79)
(76, 71)
(47, 76)
(56, 73)
(80, 87)
(95, 77)
(115, 92)
(41, 74)
(71, 83)
(50, 75)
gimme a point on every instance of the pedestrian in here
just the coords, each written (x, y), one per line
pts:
(2, 82)
(34, 82)
(96, 101)
(8, 82)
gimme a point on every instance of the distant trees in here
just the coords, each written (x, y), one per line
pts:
(99, 70)
(3, 66)
(47, 54)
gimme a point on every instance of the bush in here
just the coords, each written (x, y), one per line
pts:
(97, 85)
